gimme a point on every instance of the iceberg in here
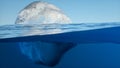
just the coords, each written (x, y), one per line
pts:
(43, 13)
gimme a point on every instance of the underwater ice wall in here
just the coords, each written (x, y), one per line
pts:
(39, 12)
(45, 53)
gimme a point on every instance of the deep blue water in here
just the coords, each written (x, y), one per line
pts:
(104, 55)
(98, 48)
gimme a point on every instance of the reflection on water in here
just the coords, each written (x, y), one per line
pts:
(8, 31)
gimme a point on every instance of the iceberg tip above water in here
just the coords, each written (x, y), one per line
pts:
(41, 13)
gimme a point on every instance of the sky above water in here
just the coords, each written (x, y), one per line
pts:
(79, 11)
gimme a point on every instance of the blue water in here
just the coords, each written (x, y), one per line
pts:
(78, 45)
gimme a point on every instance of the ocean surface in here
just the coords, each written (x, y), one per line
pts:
(85, 45)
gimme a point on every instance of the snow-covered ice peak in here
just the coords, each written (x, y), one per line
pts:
(39, 12)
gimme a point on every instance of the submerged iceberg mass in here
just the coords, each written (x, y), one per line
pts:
(45, 53)
(41, 13)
